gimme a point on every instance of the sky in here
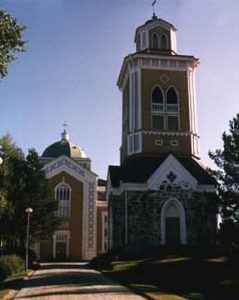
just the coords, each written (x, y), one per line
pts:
(73, 56)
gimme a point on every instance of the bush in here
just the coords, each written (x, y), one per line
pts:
(10, 264)
(102, 262)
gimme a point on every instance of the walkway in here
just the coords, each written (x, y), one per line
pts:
(72, 281)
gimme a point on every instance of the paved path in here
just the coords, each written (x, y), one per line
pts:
(72, 281)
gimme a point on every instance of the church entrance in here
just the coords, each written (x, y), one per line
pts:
(61, 246)
(173, 230)
(60, 250)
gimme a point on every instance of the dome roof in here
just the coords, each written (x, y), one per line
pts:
(64, 147)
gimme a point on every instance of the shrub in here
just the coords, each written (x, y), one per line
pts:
(10, 264)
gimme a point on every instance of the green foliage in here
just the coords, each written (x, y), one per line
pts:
(11, 41)
(227, 160)
(10, 264)
(23, 185)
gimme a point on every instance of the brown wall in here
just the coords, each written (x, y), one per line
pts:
(73, 223)
(178, 79)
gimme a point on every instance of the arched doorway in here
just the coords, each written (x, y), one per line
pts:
(173, 226)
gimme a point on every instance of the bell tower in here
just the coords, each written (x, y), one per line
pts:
(158, 95)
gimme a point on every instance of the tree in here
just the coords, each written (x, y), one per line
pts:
(23, 184)
(227, 160)
(227, 175)
(11, 41)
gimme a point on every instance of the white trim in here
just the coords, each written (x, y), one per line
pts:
(167, 133)
(110, 228)
(183, 235)
(100, 203)
(139, 100)
(173, 40)
(131, 145)
(138, 61)
(64, 163)
(171, 164)
(126, 217)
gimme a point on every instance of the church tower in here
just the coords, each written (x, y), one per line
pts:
(158, 88)
(161, 194)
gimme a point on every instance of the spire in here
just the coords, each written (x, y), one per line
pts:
(65, 134)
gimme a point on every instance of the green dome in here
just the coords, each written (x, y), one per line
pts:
(64, 147)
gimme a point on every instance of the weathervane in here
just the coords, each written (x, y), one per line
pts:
(153, 4)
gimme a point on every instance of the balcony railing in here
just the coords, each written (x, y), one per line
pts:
(159, 107)
(172, 108)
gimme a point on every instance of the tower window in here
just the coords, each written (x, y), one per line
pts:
(155, 41)
(157, 100)
(173, 123)
(172, 101)
(157, 95)
(172, 97)
(165, 116)
(163, 40)
(157, 122)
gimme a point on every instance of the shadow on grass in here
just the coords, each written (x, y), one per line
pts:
(187, 277)
(13, 283)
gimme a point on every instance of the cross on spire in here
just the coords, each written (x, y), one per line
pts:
(153, 5)
(65, 135)
(65, 125)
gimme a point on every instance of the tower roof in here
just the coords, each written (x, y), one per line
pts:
(154, 22)
(64, 147)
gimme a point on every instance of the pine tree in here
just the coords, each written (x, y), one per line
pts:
(227, 160)
(227, 175)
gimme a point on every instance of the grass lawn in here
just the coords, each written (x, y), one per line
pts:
(11, 283)
(178, 278)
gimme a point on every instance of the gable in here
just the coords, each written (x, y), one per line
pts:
(65, 164)
(173, 172)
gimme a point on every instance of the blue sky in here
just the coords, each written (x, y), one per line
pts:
(74, 53)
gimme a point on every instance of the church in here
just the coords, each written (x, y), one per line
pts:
(82, 208)
(161, 194)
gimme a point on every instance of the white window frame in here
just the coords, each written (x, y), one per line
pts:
(62, 204)
(65, 233)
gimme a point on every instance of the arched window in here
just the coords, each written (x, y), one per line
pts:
(172, 97)
(163, 41)
(157, 95)
(63, 192)
(63, 196)
(157, 108)
(172, 110)
(155, 41)
(165, 109)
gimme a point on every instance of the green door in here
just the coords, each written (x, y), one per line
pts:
(172, 231)
(60, 250)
